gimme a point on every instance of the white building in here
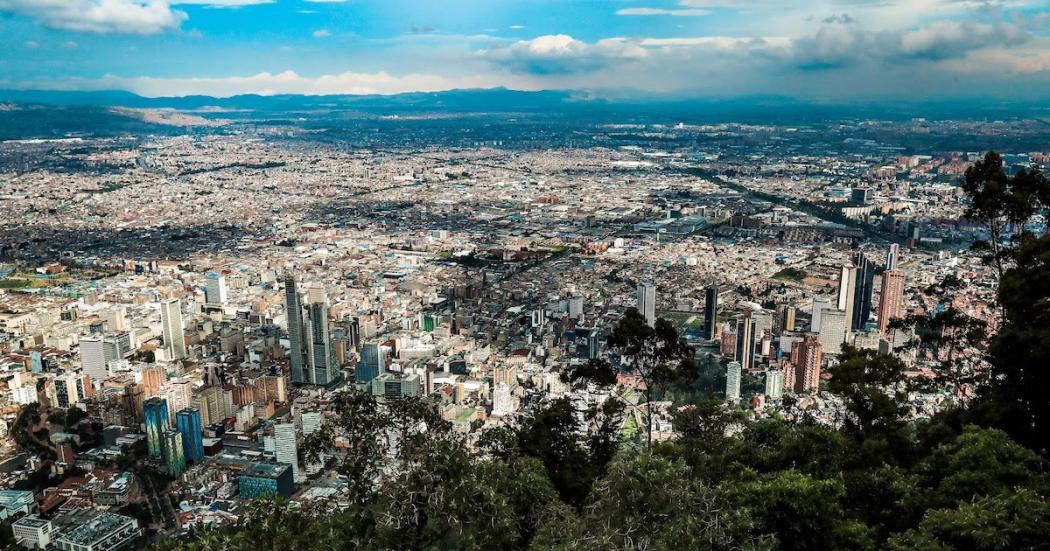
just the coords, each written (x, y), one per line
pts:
(215, 289)
(33, 532)
(774, 383)
(171, 323)
(733, 372)
(285, 448)
(647, 302)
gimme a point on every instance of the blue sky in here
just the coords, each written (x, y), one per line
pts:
(820, 49)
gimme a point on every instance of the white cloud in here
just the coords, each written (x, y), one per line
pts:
(322, 33)
(222, 3)
(561, 54)
(687, 12)
(287, 82)
(31, 44)
(69, 44)
(99, 16)
(326, 1)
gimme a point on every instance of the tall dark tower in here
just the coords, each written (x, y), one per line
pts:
(862, 293)
(294, 311)
(710, 311)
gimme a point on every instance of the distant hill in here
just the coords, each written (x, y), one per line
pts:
(768, 108)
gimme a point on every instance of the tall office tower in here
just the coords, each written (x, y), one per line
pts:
(833, 330)
(733, 373)
(172, 452)
(891, 299)
(355, 334)
(310, 421)
(171, 322)
(371, 364)
(93, 357)
(863, 292)
(647, 302)
(847, 293)
(156, 413)
(294, 311)
(818, 307)
(211, 401)
(215, 289)
(153, 378)
(710, 311)
(806, 357)
(116, 318)
(892, 255)
(745, 340)
(285, 448)
(188, 421)
(322, 365)
(774, 383)
(789, 319)
(575, 307)
(179, 393)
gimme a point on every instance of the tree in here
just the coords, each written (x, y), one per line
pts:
(574, 451)
(873, 387)
(979, 462)
(1003, 205)
(655, 355)
(649, 502)
(995, 523)
(1020, 351)
(954, 341)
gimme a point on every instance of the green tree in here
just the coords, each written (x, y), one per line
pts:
(1003, 205)
(655, 355)
(649, 502)
(997, 523)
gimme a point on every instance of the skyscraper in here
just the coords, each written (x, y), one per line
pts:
(171, 323)
(285, 447)
(173, 455)
(733, 373)
(156, 414)
(294, 311)
(891, 256)
(321, 361)
(833, 330)
(647, 302)
(806, 357)
(745, 340)
(93, 357)
(818, 308)
(847, 293)
(774, 383)
(710, 311)
(188, 422)
(862, 293)
(215, 289)
(891, 298)
(371, 364)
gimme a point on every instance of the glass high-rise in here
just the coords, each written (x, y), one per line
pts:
(173, 454)
(371, 364)
(188, 422)
(156, 413)
(171, 323)
(710, 312)
(293, 306)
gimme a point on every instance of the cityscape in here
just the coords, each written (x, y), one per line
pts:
(509, 313)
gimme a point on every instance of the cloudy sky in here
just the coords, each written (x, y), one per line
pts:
(818, 49)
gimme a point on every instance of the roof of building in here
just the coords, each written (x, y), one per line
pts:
(265, 470)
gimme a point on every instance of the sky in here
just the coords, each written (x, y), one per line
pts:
(816, 49)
